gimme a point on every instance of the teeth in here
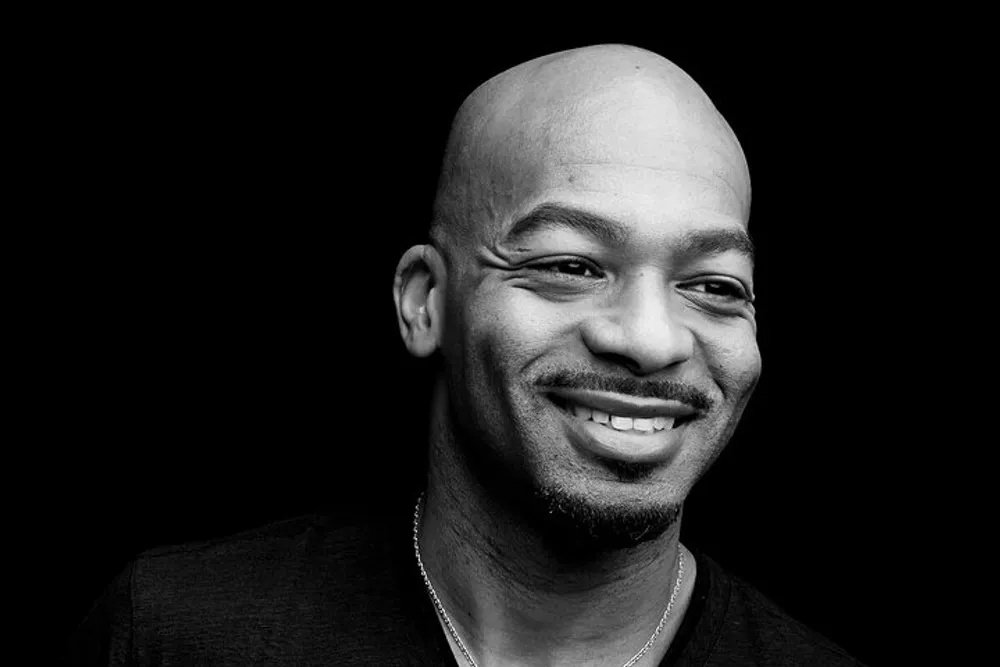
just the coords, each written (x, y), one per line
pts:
(642, 424)
(661, 423)
(621, 423)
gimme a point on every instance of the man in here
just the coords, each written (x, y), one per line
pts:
(587, 293)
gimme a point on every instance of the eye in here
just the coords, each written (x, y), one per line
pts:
(570, 268)
(720, 289)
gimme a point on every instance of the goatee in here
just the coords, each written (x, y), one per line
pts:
(578, 526)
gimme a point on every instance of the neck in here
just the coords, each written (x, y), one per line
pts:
(515, 600)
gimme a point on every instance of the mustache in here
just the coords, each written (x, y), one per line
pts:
(669, 390)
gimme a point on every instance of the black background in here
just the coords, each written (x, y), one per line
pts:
(222, 350)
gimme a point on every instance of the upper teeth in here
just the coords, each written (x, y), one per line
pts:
(624, 423)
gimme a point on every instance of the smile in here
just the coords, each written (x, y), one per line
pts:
(621, 412)
(622, 422)
(622, 427)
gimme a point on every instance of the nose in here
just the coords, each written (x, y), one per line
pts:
(640, 330)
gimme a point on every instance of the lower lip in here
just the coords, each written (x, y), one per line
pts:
(626, 446)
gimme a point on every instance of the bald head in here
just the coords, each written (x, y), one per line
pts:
(524, 131)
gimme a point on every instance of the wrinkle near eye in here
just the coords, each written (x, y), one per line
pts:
(495, 258)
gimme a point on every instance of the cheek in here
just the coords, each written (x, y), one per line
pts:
(735, 364)
(497, 337)
(490, 339)
(516, 326)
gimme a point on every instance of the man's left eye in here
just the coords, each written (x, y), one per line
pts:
(724, 289)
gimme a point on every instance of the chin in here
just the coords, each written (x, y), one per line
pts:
(582, 524)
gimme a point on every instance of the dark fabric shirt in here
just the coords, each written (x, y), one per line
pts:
(316, 591)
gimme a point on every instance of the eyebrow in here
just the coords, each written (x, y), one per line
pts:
(549, 216)
(700, 242)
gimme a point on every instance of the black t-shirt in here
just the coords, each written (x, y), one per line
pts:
(316, 591)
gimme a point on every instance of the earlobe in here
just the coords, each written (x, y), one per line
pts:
(416, 291)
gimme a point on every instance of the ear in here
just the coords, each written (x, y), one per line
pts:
(418, 291)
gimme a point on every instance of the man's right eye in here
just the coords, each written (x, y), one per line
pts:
(576, 268)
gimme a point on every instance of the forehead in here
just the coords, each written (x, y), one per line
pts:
(702, 236)
(636, 167)
(688, 185)
(644, 137)
(621, 203)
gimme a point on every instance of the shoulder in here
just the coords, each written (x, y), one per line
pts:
(293, 588)
(752, 626)
(307, 552)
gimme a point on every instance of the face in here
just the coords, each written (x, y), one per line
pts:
(600, 342)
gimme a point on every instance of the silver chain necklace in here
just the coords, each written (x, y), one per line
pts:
(458, 640)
